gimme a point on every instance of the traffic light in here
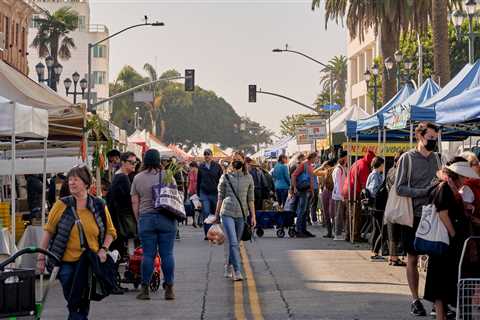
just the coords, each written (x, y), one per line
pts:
(252, 93)
(189, 80)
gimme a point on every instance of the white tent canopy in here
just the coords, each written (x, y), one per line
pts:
(22, 121)
(339, 118)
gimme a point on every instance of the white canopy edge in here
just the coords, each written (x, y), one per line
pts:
(23, 121)
(35, 165)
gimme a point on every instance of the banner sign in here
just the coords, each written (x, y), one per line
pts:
(399, 118)
(361, 148)
(301, 133)
(331, 107)
(317, 129)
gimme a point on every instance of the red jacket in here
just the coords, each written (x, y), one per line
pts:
(361, 170)
(474, 184)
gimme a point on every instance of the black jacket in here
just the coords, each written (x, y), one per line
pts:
(207, 181)
(119, 204)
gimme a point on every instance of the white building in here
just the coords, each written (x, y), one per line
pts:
(360, 56)
(85, 34)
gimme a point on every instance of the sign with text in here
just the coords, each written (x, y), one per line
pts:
(317, 129)
(301, 134)
(361, 148)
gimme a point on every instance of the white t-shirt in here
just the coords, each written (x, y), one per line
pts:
(339, 175)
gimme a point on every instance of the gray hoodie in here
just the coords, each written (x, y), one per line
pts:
(423, 176)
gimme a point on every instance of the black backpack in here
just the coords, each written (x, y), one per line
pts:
(382, 196)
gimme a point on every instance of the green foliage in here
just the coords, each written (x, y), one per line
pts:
(288, 125)
(52, 35)
(334, 75)
(185, 118)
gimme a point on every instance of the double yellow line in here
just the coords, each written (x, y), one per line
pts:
(254, 301)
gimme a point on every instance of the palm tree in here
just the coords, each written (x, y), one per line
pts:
(153, 106)
(441, 54)
(334, 76)
(388, 16)
(52, 36)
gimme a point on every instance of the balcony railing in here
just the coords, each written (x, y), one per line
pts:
(101, 28)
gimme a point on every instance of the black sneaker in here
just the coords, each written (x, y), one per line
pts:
(417, 309)
(309, 234)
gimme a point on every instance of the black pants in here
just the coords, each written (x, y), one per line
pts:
(378, 236)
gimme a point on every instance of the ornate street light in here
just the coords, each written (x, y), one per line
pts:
(54, 70)
(68, 83)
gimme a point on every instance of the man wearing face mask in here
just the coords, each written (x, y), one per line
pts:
(424, 165)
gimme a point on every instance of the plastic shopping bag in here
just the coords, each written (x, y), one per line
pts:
(215, 234)
(210, 219)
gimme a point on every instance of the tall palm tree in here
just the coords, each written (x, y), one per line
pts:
(441, 54)
(52, 36)
(334, 76)
(154, 106)
(388, 16)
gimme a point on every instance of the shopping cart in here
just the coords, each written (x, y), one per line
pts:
(278, 220)
(17, 288)
(468, 299)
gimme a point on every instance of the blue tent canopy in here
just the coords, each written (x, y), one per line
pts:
(462, 108)
(376, 119)
(467, 78)
(398, 116)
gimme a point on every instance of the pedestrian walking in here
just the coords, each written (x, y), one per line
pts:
(303, 188)
(64, 238)
(374, 183)
(281, 179)
(156, 227)
(415, 182)
(208, 176)
(236, 200)
(339, 176)
(325, 174)
(192, 188)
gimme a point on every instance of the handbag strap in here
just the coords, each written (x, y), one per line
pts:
(235, 194)
(409, 169)
(81, 232)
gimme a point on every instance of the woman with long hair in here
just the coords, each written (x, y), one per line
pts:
(235, 202)
(156, 228)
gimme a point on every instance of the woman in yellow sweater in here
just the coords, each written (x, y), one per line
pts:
(62, 236)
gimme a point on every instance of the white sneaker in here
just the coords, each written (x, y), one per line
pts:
(228, 272)
(237, 276)
(339, 238)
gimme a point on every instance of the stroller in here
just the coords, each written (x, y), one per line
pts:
(468, 298)
(17, 288)
(132, 272)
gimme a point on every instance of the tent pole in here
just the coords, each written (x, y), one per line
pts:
(384, 147)
(349, 166)
(353, 220)
(13, 183)
(44, 194)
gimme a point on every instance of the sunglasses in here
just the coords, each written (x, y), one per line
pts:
(132, 162)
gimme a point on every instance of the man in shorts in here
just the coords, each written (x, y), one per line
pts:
(424, 165)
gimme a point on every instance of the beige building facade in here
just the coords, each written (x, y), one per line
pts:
(360, 56)
(15, 17)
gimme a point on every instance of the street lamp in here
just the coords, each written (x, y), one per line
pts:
(458, 18)
(368, 76)
(54, 70)
(93, 45)
(68, 83)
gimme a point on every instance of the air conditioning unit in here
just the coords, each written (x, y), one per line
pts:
(2, 41)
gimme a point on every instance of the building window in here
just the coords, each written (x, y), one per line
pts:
(100, 51)
(34, 23)
(99, 77)
(7, 33)
(17, 33)
(81, 23)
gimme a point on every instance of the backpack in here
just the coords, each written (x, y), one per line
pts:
(329, 179)
(382, 196)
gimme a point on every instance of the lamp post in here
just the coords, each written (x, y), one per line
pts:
(54, 70)
(368, 76)
(93, 45)
(407, 64)
(458, 18)
(76, 79)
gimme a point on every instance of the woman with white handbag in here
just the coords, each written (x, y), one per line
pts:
(441, 282)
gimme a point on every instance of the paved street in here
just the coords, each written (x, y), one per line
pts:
(292, 279)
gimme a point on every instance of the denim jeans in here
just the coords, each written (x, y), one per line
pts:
(302, 207)
(157, 234)
(314, 206)
(282, 195)
(66, 275)
(233, 228)
(209, 204)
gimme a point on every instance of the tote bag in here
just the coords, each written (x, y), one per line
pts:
(431, 237)
(399, 210)
(166, 196)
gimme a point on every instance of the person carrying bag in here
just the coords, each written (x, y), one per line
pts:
(235, 192)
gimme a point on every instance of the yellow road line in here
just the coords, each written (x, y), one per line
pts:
(238, 300)
(251, 285)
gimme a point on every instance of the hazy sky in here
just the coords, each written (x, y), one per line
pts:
(229, 44)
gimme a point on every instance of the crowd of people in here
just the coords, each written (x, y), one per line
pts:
(349, 201)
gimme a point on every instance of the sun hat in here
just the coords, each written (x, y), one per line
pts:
(463, 169)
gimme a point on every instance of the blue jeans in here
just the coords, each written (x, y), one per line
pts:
(209, 204)
(157, 234)
(282, 195)
(66, 275)
(302, 206)
(233, 228)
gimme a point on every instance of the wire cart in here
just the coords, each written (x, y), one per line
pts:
(468, 298)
